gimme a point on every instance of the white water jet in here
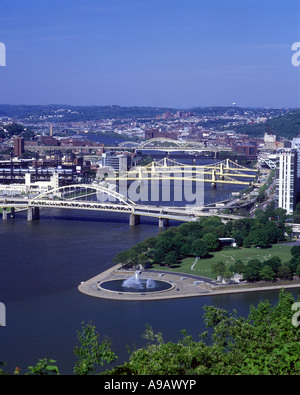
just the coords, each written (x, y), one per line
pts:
(150, 283)
(133, 281)
(136, 283)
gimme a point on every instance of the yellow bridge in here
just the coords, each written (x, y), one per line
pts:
(225, 172)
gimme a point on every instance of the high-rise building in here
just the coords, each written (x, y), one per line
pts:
(287, 179)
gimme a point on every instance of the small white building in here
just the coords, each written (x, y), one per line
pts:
(227, 241)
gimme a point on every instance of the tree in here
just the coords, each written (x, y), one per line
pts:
(170, 258)
(295, 250)
(274, 263)
(161, 249)
(133, 256)
(251, 272)
(178, 242)
(192, 229)
(267, 274)
(259, 237)
(146, 161)
(14, 129)
(186, 248)
(247, 242)
(150, 241)
(284, 272)
(200, 248)
(91, 353)
(127, 257)
(219, 269)
(293, 264)
(212, 241)
(228, 274)
(142, 259)
(122, 257)
(238, 267)
(264, 343)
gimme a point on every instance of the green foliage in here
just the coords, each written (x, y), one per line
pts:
(2, 372)
(212, 241)
(219, 269)
(267, 274)
(237, 267)
(146, 160)
(200, 248)
(91, 352)
(44, 367)
(201, 238)
(265, 343)
(285, 125)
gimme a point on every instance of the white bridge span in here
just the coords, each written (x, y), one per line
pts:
(101, 198)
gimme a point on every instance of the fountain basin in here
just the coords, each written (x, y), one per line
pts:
(144, 286)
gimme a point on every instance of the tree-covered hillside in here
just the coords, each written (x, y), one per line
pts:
(287, 125)
(15, 129)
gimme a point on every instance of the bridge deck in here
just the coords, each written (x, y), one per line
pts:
(172, 213)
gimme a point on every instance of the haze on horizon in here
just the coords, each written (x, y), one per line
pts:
(166, 53)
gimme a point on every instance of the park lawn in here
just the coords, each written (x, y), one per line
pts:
(229, 256)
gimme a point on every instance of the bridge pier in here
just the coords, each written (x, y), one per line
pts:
(4, 214)
(162, 222)
(134, 219)
(33, 213)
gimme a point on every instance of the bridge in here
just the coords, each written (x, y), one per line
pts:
(157, 144)
(170, 145)
(223, 172)
(102, 199)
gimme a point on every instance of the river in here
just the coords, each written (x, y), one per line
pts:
(41, 266)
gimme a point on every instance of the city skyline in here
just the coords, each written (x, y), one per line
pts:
(179, 54)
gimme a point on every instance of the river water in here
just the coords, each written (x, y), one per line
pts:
(43, 262)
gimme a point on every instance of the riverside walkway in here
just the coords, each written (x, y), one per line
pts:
(182, 286)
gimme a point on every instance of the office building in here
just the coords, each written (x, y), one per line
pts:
(287, 179)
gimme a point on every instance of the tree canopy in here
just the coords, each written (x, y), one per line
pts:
(202, 237)
(267, 342)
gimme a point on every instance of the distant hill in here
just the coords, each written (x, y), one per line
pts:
(283, 123)
(67, 113)
(59, 112)
(287, 126)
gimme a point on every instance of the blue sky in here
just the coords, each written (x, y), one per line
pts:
(171, 53)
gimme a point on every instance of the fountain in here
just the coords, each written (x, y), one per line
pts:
(133, 281)
(136, 284)
(150, 283)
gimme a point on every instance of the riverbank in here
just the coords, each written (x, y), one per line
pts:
(182, 286)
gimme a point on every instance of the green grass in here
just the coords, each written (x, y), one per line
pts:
(229, 256)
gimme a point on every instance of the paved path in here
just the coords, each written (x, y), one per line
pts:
(182, 286)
